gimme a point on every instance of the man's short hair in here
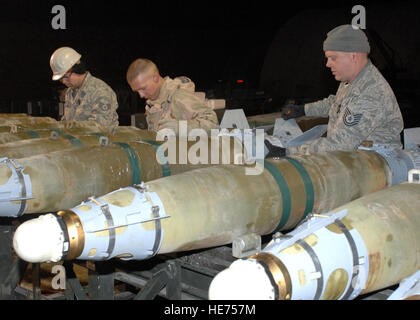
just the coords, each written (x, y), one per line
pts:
(79, 67)
(144, 67)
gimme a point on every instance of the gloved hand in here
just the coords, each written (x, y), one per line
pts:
(274, 151)
(152, 119)
(290, 111)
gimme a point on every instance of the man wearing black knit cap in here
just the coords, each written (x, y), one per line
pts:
(364, 107)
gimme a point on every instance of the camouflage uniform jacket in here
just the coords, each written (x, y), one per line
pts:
(364, 110)
(177, 101)
(94, 100)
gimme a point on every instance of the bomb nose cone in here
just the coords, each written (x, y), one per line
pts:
(39, 240)
(243, 280)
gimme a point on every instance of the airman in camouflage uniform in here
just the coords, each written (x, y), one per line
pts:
(87, 98)
(169, 100)
(364, 107)
(94, 100)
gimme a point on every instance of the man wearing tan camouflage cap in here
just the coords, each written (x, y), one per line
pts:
(364, 107)
(87, 97)
(169, 100)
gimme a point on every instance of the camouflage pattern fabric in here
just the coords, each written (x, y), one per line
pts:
(177, 101)
(364, 110)
(93, 101)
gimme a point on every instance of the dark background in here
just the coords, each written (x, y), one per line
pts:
(275, 48)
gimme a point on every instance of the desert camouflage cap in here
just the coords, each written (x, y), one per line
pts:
(345, 38)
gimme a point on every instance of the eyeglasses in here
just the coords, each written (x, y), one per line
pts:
(66, 76)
